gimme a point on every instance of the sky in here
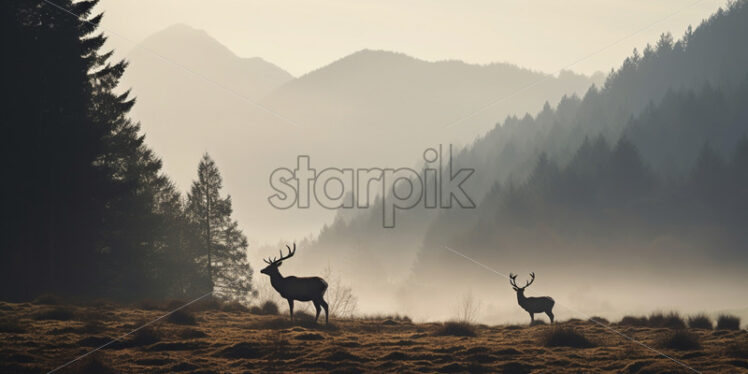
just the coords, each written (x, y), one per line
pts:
(300, 36)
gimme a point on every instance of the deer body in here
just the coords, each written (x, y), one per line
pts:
(297, 288)
(532, 305)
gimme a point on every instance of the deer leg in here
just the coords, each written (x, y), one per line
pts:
(290, 307)
(316, 306)
(324, 305)
(550, 314)
(532, 317)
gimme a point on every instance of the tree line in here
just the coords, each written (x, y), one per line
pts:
(87, 209)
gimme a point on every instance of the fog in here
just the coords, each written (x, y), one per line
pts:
(610, 163)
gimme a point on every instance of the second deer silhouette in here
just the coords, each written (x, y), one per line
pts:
(295, 288)
(532, 305)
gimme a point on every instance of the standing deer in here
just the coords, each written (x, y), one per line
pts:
(532, 305)
(294, 288)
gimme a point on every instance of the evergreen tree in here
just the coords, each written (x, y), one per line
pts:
(225, 246)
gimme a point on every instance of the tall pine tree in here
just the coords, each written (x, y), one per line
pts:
(224, 244)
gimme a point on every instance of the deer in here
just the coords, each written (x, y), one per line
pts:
(296, 288)
(532, 305)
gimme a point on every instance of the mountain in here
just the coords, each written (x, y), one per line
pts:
(172, 58)
(368, 109)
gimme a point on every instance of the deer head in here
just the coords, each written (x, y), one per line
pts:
(513, 282)
(274, 263)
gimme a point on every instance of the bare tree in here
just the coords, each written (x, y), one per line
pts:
(468, 308)
(343, 303)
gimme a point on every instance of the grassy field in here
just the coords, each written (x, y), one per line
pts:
(224, 338)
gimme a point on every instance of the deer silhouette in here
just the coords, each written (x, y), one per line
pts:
(532, 305)
(295, 288)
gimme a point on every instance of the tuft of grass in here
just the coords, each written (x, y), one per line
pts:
(47, 299)
(59, 313)
(269, 307)
(600, 320)
(182, 317)
(385, 317)
(671, 320)
(633, 321)
(680, 340)
(454, 328)
(538, 322)
(700, 321)
(302, 316)
(728, 322)
(565, 336)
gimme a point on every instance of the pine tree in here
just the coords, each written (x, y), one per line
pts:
(225, 246)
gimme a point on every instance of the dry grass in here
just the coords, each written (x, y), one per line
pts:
(565, 336)
(456, 328)
(680, 340)
(700, 321)
(182, 317)
(727, 322)
(226, 342)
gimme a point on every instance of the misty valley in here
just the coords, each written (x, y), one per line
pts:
(172, 206)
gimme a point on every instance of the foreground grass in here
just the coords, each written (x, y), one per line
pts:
(216, 339)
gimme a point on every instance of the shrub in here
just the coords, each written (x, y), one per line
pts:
(633, 321)
(453, 328)
(700, 321)
(269, 307)
(302, 316)
(728, 322)
(565, 337)
(58, 314)
(680, 340)
(384, 317)
(47, 299)
(182, 317)
(672, 320)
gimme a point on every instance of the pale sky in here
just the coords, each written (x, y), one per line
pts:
(300, 36)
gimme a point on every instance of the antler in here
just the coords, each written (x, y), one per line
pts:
(291, 252)
(513, 280)
(531, 280)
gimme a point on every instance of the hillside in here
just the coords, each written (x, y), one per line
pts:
(236, 341)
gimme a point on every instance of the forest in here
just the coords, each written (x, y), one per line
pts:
(88, 212)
